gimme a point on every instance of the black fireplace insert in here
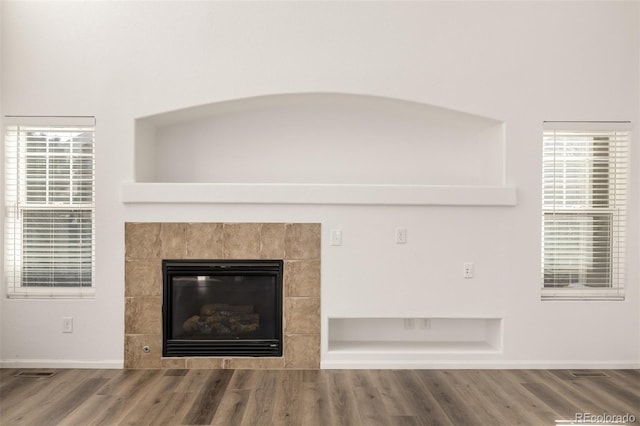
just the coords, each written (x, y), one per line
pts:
(222, 308)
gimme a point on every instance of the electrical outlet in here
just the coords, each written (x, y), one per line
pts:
(468, 270)
(336, 237)
(401, 235)
(67, 324)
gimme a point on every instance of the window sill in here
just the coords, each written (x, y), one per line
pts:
(584, 294)
(58, 293)
(583, 299)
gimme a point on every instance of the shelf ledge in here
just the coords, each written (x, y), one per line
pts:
(407, 347)
(371, 348)
(340, 194)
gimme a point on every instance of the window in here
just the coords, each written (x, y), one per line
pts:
(584, 174)
(50, 226)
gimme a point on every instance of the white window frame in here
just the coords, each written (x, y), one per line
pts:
(16, 203)
(557, 182)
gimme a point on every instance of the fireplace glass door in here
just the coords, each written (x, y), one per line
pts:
(222, 307)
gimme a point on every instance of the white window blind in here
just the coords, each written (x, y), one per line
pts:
(584, 210)
(50, 199)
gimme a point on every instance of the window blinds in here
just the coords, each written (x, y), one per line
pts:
(50, 201)
(584, 214)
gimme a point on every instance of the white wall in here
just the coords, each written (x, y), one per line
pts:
(329, 138)
(637, 166)
(517, 62)
(1, 160)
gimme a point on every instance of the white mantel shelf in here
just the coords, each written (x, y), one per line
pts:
(338, 194)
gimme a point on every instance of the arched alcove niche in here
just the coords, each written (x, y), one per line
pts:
(316, 145)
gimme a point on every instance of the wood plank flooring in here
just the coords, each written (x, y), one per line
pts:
(307, 398)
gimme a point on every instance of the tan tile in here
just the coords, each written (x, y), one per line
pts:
(142, 240)
(143, 277)
(241, 240)
(302, 278)
(302, 241)
(143, 315)
(272, 241)
(206, 362)
(258, 363)
(301, 315)
(204, 241)
(170, 363)
(302, 351)
(173, 240)
(147, 243)
(134, 354)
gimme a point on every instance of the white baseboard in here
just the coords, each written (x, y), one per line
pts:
(352, 364)
(478, 365)
(61, 363)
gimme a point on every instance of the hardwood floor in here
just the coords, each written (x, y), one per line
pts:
(326, 397)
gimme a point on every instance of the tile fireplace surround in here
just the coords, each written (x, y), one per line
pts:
(147, 243)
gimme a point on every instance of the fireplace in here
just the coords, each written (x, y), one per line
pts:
(148, 244)
(222, 308)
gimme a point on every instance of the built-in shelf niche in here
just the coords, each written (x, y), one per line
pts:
(373, 338)
(319, 148)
